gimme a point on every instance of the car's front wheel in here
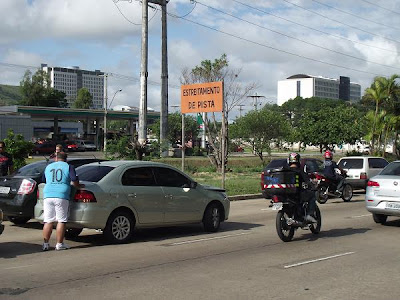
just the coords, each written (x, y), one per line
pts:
(380, 219)
(212, 218)
(119, 228)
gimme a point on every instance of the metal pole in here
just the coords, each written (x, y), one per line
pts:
(164, 82)
(183, 142)
(223, 138)
(105, 112)
(203, 136)
(142, 134)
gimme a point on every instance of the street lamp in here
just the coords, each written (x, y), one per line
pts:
(105, 117)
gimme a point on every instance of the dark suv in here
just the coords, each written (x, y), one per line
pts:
(18, 192)
(309, 165)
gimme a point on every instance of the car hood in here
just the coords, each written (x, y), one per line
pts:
(213, 188)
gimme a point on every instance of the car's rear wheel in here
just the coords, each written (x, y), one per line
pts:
(212, 218)
(380, 219)
(71, 233)
(119, 228)
(19, 220)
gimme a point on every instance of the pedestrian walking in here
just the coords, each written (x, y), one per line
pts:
(6, 161)
(58, 178)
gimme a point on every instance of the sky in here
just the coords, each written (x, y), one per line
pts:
(265, 40)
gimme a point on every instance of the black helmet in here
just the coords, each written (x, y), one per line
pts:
(294, 158)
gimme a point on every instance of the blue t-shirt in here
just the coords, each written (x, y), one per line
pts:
(329, 168)
(58, 177)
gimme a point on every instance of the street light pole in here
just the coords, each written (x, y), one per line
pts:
(105, 112)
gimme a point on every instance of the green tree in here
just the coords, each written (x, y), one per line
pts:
(18, 148)
(174, 131)
(234, 94)
(36, 90)
(332, 126)
(84, 99)
(260, 129)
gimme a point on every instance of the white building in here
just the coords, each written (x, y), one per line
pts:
(307, 86)
(71, 80)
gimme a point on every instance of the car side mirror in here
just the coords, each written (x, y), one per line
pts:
(193, 184)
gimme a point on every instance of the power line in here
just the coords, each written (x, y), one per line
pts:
(311, 28)
(372, 3)
(354, 15)
(297, 39)
(122, 14)
(276, 49)
(336, 21)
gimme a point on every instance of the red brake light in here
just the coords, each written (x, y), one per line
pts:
(27, 186)
(373, 183)
(84, 196)
(262, 180)
(363, 175)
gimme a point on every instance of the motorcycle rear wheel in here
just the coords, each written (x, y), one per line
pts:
(316, 227)
(322, 194)
(285, 232)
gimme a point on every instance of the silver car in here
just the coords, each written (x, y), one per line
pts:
(382, 197)
(121, 195)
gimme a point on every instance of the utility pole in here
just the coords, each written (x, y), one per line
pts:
(142, 134)
(240, 110)
(255, 100)
(164, 81)
(105, 111)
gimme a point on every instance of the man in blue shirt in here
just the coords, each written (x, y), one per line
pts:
(58, 177)
(330, 173)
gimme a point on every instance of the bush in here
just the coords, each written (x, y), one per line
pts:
(18, 148)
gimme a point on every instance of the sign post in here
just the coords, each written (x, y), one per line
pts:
(202, 98)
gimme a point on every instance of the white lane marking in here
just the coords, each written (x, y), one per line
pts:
(266, 208)
(208, 239)
(317, 260)
(360, 216)
(19, 267)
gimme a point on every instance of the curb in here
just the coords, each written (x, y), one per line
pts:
(244, 197)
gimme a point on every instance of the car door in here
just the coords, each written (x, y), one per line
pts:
(144, 195)
(183, 202)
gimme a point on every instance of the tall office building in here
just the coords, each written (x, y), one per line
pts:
(307, 86)
(71, 80)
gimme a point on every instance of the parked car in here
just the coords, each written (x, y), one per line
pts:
(18, 192)
(71, 146)
(309, 165)
(382, 195)
(360, 168)
(86, 145)
(1, 221)
(122, 195)
(44, 148)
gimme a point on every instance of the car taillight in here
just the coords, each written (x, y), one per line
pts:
(363, 175)
(262, 180)
(372, 183)
(27, 186)
(84, 196)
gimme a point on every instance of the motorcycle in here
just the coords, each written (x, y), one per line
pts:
(282, 186)
(327, 187)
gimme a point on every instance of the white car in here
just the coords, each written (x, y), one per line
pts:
(86, 145)
(382, 197)
(360, 168)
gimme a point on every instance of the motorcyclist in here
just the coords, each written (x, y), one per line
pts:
(307, 187)
(330, 173)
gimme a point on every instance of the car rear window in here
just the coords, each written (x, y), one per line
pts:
(377, 163)
(351, 163)
(391, 169)
(93, 173)
(33, 169)
(277, 163)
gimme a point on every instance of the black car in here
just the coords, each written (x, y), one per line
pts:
(309, 165)
(18, 192)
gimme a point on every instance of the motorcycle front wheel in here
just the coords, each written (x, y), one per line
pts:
(347, 192)
(316, 227)
(322, 194)
(285, 232)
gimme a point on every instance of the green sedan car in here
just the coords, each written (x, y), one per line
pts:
(121, 195)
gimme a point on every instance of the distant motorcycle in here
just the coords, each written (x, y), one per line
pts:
(327, 187)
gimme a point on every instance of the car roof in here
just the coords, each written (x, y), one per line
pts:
(119, 163)
(352, 157)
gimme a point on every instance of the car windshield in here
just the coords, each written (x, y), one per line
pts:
(93, 173)
(391, 169)
(32, 169)
(351, 163)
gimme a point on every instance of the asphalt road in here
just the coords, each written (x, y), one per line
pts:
(352, 258)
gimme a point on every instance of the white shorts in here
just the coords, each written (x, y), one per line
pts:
(55, 209)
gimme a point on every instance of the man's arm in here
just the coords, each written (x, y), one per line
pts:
(74, 178)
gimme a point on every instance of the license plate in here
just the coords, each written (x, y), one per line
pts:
(4, 189)
(392, 205)
(277, 206)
